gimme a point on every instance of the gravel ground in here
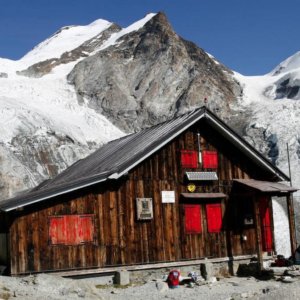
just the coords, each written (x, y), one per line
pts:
(44, 286)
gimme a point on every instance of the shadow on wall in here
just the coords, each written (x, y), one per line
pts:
(297, 217)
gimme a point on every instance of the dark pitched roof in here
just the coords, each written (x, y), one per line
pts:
(117, 157)
(266, 186)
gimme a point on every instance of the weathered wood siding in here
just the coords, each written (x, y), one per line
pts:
(122, 240)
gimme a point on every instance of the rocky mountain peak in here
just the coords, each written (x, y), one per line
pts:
(149, 75)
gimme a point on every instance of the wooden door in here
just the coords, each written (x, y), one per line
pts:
(266, 224)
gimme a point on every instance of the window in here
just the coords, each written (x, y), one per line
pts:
(189, 159)
(192, 218)
(214, 217)
(71, 229)
(210, 159)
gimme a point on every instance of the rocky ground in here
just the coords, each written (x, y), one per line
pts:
(44, 286)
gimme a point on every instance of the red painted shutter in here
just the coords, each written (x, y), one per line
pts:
(189, 159)
(210, 159)
(72, 236)
(266, 225)
(192, 218)
(71, 229)
(86, 232)
(214, 217)
(56, 230)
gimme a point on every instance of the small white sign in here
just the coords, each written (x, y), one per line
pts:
(168, 196)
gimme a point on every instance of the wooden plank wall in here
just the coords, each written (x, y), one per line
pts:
(122, 240)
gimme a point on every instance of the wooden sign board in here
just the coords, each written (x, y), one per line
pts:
(144, 208)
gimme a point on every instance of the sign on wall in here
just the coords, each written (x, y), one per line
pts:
(144, 208)
(168, 196)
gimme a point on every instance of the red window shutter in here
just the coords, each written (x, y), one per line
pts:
(71, 229)
(210, 159)
(189, 159)
(72, 236)
(266, 224)
(193, 218)
(56, 230)
(86, 226)
(214, 217)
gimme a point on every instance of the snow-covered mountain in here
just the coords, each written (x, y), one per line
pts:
(272, 101)
(86, 85)
(43, 126)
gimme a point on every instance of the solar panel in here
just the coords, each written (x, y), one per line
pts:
(201, 176)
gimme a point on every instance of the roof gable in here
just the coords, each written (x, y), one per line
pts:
(117, 157)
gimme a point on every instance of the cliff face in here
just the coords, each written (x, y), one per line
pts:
(150, 75)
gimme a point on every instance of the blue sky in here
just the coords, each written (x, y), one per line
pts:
(248, 36)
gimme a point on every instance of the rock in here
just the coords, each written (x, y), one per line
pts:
(122, 277)
(206, 270)
(278, 271)
(161, 286)
(191, 285)
(286, 87)
(3, 75)
(164, 277)
(31, 158)
(235, 296)
(150, 75)
(64, 291)
(212, 279)
(81, 293)
(293, 273)
(288, 279)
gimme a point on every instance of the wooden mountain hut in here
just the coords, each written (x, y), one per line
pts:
(178, 192)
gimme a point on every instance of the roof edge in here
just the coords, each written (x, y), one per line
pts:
(198, 117)
(50, 195)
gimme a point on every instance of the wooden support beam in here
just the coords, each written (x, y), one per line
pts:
(291, 215)
(257, 220)
(272, 223)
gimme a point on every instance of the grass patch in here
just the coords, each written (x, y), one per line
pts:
(5, 295)
(102, 286)
(116, 286)
(119, 286)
